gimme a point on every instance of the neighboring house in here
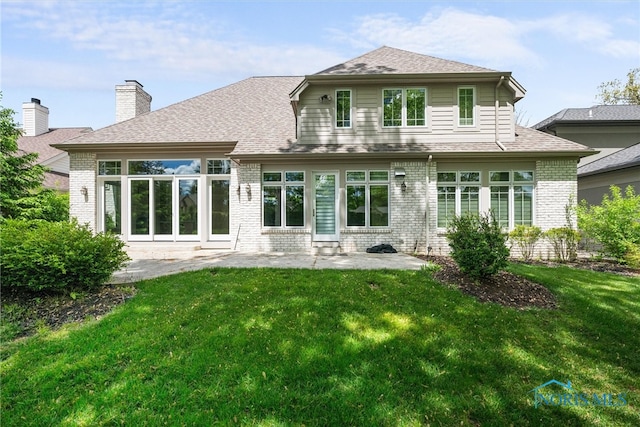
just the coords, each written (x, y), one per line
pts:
(621, 168)
(37, 138)
(605, 128)
(384, 148)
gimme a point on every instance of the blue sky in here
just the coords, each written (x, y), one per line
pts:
(71, 54)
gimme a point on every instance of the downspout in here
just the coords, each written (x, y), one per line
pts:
(497, 130)
(426, 211)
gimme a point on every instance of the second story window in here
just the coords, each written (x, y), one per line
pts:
(404, 107)
(343, 108)
(466, 106)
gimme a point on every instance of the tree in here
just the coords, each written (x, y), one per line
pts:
(614, 92)
(21, 191)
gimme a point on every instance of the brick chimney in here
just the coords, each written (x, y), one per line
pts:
(35, 118)
(131, 100)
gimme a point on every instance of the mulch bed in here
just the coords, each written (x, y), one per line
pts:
(511, 290)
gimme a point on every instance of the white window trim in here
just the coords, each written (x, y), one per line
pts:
(351, 110)
(283, 184)
(474, 125)
(367, 182)
(404, 108)
(458, 193)
(512, 183)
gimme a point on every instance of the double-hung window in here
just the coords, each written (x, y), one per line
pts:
(368, 198)
(458, 194)
(512, 197)
(466, 106)
(343, 108)
(283, 199)
(404, 107)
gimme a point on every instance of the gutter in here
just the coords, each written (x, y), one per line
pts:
(497, 130)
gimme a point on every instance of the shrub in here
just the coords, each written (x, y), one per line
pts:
(525, 237)
(41, 255)
(478, 245)
(565, 242)
(615, 223)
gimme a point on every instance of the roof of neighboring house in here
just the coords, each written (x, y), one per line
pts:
(57, 180)
(599, 114)
(623, 159)
(388, 60)
(41, 144)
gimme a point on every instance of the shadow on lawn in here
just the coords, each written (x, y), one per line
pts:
(281, 347)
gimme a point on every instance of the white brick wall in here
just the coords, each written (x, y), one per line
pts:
(82, 175)
(131, 101)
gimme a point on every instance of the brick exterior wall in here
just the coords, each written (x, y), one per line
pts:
(82, 174)
(131, 101)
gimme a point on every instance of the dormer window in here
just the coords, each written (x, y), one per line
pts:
(404, 107)
(343, 108)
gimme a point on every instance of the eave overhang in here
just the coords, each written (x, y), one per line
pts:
(154, 147)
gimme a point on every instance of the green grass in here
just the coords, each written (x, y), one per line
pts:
(276, 347)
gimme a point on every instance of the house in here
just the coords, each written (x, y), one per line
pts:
(610, 129)
(37, 137)
(605, 128)
(383, 148)
(621, 168)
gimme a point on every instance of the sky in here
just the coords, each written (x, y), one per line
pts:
(71, 54)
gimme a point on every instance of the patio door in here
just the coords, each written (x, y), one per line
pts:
(326, 220)
(219, 208)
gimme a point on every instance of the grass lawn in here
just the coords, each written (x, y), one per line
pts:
(274, 347)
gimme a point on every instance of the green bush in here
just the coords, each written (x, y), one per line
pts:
(478, 245)
(525, 237)
(47, 205)
(615, 223)
(41, 255)
(565, 242)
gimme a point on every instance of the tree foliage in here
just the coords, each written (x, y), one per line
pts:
(21, 191)
(615, 92)
(525, 238)
(615, 223)
(478, 245)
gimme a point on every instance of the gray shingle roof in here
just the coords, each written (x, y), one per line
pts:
(622, 159)
(596, 114)
(254, 111)
(388, 60)
(41, 144)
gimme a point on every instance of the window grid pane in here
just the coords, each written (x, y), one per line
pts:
(294, 176)
(379, 205)
(343, 108)
(356, 176)
(378, 175)
(446, 205)
(272, 176)
(356, 205)
(500, 204)
(469, 200)
(271, 206)
(465, 106)
(110, 167)
(218, 167)
(523, 204)
(416, 102)
(392, 105)
(294, 206)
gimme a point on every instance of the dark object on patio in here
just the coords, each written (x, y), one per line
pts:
(382, 249)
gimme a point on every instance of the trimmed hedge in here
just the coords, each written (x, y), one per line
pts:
(41, 255)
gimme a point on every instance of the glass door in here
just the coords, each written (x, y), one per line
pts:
(325, 212)
(219, 208)
(140, 209)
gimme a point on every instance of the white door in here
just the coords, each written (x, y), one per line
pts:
(326, 220)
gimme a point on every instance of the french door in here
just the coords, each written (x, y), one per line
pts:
(163, 208)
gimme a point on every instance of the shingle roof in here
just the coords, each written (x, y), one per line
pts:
(622, 159)
(254, 111)
(596, 114)
(388, 60)
(41, 144)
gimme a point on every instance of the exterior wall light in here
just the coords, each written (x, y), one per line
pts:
(248, 189)
(403, 186)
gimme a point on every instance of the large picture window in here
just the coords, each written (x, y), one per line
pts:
(283, 199)
(367, 198)
(404, 107)
(458, 194)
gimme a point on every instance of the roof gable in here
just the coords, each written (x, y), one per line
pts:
(388, 60)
